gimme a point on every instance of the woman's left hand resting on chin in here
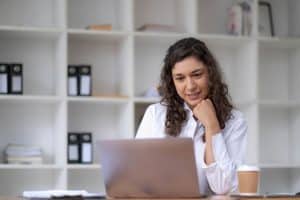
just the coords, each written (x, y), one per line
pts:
(205, 112)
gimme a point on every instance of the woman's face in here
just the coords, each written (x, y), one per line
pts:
(190, 77)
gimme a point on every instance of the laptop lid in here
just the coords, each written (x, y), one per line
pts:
(149, 168)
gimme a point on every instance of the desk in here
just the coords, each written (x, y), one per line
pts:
(209, 198)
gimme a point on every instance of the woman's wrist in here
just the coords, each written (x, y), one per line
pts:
(213, 128)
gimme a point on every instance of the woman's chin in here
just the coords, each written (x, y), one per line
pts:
(193, 103)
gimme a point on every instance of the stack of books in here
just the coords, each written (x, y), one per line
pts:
(22, 154)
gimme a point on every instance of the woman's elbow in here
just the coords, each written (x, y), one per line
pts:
(228, 185)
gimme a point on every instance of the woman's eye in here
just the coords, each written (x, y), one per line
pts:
(179, 78)
(197, 75)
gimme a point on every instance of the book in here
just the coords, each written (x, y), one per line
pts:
(157, 28)
(22, 150)
(99, 27)
(24, 160)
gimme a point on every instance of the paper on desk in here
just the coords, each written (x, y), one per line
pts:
(53, 193)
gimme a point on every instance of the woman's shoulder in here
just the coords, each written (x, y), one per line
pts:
(157, 109)
(236, 124)
(237, 117)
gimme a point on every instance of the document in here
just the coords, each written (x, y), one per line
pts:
(47, 194)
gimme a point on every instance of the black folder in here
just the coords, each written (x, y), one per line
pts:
(73, 78)
(16, 79)
(85, 80)
(73, 148)
(86, 148)
(4, 72)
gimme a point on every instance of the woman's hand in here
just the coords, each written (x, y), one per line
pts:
(205, 112)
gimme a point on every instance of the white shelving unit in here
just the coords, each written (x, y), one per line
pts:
(47, 35)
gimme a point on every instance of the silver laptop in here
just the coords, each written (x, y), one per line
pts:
(149, 168)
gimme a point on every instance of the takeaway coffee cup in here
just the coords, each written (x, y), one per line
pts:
(248, 177)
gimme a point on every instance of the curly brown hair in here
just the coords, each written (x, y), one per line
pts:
(217, 89)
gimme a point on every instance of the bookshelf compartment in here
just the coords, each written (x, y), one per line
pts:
(80, 179)
(24, 13)
(104, 121)
(278, 129)
(278, 70)
(96, 12)
(41, 64)
(17, 181)
(149, 55)
(290, 176)
(216, 24)
(39, 128)
(236, 59)
(171, 13)
(285, 18)
(111, 61)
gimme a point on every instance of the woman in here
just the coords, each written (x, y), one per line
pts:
(195, 103)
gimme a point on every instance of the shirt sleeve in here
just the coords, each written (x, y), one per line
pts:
(229, 152)
(145, 129)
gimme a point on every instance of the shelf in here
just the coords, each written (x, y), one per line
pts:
(146, 99)
(29, 167)
(84, 166)
(29, 32)
(91, 35)
(212, 39)
(279, 42)
(30, 99)
(279, 166)
(224, 40)
(100, 99)
(157, 34)
(280, 104)
(243, 104)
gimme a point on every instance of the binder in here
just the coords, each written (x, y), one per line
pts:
(73, 80)
(73, 148)
(85, 80)
(4, 72)
(86, 148)
(16, 79)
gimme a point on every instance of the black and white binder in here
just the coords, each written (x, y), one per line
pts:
(16, 79)
(72, 80)
(85, 80)
(73, 148)
(4, 71)
(86, 148)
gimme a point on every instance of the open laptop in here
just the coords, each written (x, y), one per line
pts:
(149, 168)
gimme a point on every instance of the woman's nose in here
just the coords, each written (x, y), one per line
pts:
(190, 84)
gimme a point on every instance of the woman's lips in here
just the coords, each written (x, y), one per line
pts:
(193, 96)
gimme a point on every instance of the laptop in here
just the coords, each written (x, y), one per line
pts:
(149, 168)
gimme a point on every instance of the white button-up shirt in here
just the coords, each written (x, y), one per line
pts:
(228, 147)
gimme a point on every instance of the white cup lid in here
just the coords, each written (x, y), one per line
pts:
(248, 168)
